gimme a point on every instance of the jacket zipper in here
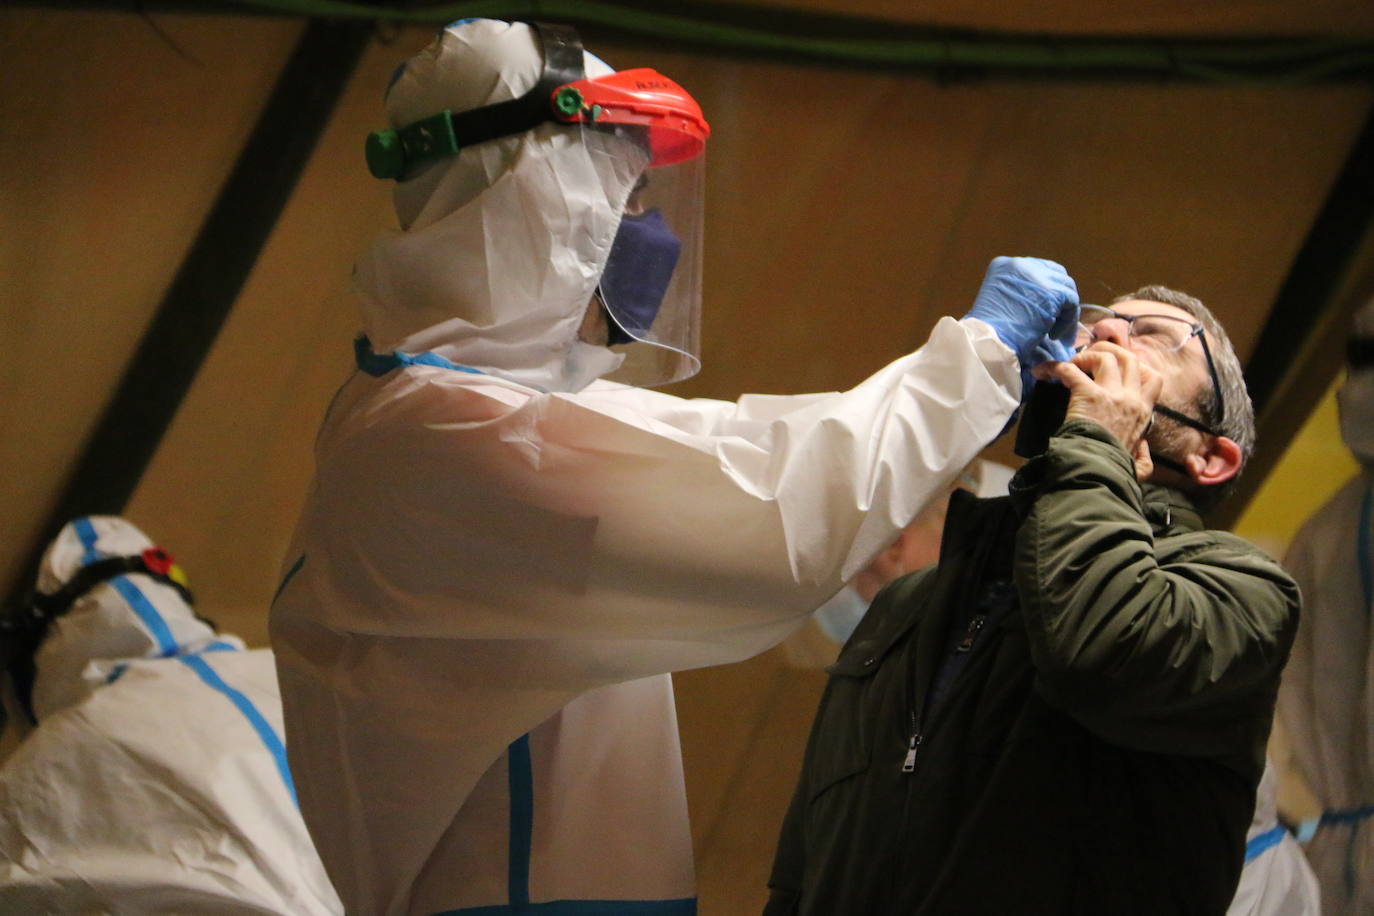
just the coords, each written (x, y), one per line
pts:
(975, 626)
(909, 764)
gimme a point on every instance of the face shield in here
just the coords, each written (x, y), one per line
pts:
(645, 138)
(650, 286)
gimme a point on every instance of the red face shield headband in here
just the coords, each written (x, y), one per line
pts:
(643, 98)
(646, 98)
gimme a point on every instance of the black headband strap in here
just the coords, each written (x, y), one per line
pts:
(562, 52)
(395, 153)
(92, 574)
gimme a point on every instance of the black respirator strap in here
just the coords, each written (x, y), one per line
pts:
(396, 153)
(562, 51)
(46, 607)
(1359, 352)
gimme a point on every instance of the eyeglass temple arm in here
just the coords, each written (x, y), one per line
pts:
(1185, 419)
(1212, 370)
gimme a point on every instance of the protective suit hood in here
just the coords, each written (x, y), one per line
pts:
(501, 246)
(1355, 399)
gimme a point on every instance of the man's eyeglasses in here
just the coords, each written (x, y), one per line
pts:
(1160, 332)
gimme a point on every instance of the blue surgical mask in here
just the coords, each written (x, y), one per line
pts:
(841, 614)
(638, 271)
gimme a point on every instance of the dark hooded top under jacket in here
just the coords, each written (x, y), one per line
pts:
(1087, 681)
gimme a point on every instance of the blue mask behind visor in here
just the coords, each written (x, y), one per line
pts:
(638, 271)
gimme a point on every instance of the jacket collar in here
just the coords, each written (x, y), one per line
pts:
(978, 536)
(970, 542)
(1169, 511)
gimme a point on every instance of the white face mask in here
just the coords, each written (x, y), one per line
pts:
(841, 614)
(586, 363)
(1355, 402)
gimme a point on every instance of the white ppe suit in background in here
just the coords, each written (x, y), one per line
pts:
(1326, 703)
(155, 781)
(495, 570)
(1276, 879)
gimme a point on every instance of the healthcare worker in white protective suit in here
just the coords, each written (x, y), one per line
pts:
(1326, 703)
(501, 557)
(155, 780)
(1276, 879)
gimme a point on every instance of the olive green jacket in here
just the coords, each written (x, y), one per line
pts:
(1099, 750)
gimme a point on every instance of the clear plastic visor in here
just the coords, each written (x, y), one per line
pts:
(650, 287)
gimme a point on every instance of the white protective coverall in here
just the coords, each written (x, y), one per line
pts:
(155, 781)
(1276, 879)
(495, 570)
(1326, 703)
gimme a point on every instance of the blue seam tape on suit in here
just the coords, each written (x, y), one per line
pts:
(250, 712)
(86, 532)
(521, 775)
(683, 907)
(168, 648)
(137, 601)
(140, 605)
(1257, 845)
(379, 364)
(1347, 816)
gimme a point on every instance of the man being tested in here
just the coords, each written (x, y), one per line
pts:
(1068, 714)
(501, 556)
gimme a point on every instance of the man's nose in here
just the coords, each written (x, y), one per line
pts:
(1116, 330)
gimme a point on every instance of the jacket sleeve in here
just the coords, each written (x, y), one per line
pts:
(1177, 656)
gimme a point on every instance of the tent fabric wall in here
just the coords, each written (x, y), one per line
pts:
(1150, 17)
(114, 145)
(846, 213)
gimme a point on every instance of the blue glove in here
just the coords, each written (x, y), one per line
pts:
(1032, 304)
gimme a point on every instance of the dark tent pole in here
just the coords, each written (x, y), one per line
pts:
(1301, 349)
(207, 283)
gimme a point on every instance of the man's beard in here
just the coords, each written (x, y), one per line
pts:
(1168, 440)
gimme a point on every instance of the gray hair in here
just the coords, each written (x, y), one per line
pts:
(1237, 421)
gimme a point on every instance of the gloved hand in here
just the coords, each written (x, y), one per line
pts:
(1032, 304)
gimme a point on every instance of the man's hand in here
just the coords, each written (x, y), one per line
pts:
(1109, 385)
(1032, 304)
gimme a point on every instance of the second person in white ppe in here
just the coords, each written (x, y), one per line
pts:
(502, 557)
(1276, 879)
(1326, 704)
(155, 780)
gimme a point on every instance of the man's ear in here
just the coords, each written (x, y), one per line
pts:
(1217, 462)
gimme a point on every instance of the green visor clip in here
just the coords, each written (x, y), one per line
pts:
(393, 153)
(568, 104)
(396, 153)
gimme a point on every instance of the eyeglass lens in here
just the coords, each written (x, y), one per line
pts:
(1161, 331)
